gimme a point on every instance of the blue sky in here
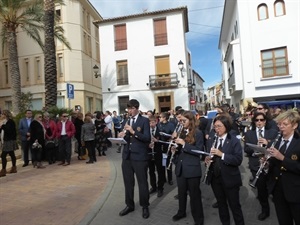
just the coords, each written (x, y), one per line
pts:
(205, 17)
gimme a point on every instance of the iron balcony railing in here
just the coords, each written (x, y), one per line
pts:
(163, 81)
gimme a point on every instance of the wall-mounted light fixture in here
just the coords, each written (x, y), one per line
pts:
(96, 71)
(147, 84)
(108, 89)
(180, 66)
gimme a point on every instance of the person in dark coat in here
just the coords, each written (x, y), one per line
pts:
(224, 174)
(284, 170)
(136, 132)
(78, 122)
(37, 140)
(188, 168)
(259, 135)
(8, 126)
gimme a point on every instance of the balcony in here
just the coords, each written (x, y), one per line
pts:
(163, 81)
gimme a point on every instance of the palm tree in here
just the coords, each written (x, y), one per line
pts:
(51, 31)
(26, 15)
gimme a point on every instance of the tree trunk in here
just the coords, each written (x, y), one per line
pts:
(14, 71)
(50, 56)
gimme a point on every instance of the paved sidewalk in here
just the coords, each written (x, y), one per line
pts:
(162, 209)
(56, 195)
(82, 194)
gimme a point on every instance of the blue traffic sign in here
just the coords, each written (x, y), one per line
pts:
(70, 91)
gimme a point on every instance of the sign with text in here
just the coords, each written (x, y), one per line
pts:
(70, 91)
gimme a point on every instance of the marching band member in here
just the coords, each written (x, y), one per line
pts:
(188, 168)
(225, 177)
(155, 160)
(262, 136)
(284, 170)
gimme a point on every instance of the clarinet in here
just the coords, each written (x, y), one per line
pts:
(181, 135)
(208, 165)
(262, 165)
(128, 123)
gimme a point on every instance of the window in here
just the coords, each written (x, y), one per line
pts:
(120, 37)
(160, 32)
(162, 67)
(123, 100)
(88, 22)
(262, 11)
(274, 62)
(122, 72)
(60, 65)
(26, 69)
(58, 14)
(38, 68)
(97, 52)
(279, 8)
(6, 72)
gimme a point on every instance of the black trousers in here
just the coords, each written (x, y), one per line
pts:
(65, 148)
(90, 145)
(157, 164)
(36, 154)
(139, 168)
(191, 185)
(287, 212)
(25, 146)
(225, 197)
(4, 160)
(262, 192)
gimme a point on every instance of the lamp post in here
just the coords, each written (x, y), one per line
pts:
(180, 66)
(96, 70)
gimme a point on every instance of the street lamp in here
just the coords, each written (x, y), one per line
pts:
(96, 70)
(180, 66)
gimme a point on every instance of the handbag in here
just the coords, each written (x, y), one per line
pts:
(36, 145)
(49, 144)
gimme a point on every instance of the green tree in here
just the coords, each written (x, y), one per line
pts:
(51, 31)
(26, 15)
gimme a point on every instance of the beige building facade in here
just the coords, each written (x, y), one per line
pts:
(74, 66)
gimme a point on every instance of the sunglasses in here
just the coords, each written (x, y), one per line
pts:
(262, 120)
(260, 108)
(65, 116)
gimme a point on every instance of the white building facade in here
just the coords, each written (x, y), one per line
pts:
(73, 66)
(139, 60)
(259, 45)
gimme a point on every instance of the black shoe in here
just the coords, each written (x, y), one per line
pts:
(103, 153)
(89, 162)
(160, 193)
(152, 190)
(126, 211)
(263, 216)
(215, 205)
(25, 164)
(178, 217)
(176, 197)
(146, 213)
(170, 182)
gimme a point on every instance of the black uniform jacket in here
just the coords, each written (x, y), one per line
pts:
(188, 162)
(287, 170)
(138, 144)
(251, 137)
(233, 158)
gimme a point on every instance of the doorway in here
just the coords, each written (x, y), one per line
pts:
(164, 103)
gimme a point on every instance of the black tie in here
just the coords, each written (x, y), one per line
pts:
(217, 162)
(132, 121)
(283, 147)
(152, 132)
(260, 133)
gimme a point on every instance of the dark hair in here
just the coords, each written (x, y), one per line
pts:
(165, 114)
(179, 112)
(133, 103)
(99, 114)
(256, 114)
(192, 126)
(225, 120)
(177, 108)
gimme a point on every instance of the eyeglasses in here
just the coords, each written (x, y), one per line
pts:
(218, 126)
(283, 124)
(183, 121)
(259, 108)
(262, 120)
